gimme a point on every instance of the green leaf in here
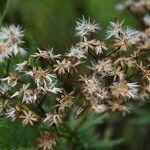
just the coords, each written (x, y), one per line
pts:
(92, 120)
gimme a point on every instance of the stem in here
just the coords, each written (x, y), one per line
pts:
(112, 52)
(93, 56)
(8, 67)
(83, 118)
(42, 100)
(42, 111)
(133, 74)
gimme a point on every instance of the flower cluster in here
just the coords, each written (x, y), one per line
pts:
(113, 76)
(11, 42)
(136, 6)
(140, 9)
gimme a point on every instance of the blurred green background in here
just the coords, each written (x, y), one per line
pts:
(51, 23)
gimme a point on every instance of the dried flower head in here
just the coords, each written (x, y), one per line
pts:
(22, 66)
(117, 105)
(12, 113)
(11, 80)
(66, 100)
(29, 95)
(124, 89)
(41, 76)
(103, 67)
(99, 108)
(28, 117)
(46, 141)
(62, 66)
(51, 119)
(76, 52)
(115, 29)
(85, 27)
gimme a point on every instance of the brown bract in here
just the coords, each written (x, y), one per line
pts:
(46, 141)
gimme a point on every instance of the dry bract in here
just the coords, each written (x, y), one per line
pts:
(28, 117)
(46, 141)
(124, 89)
(53, 119)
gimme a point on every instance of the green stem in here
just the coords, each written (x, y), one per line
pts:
(133, 74)
(8, 67)
(83, 118)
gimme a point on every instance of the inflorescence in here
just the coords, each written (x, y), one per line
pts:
(116, 74)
